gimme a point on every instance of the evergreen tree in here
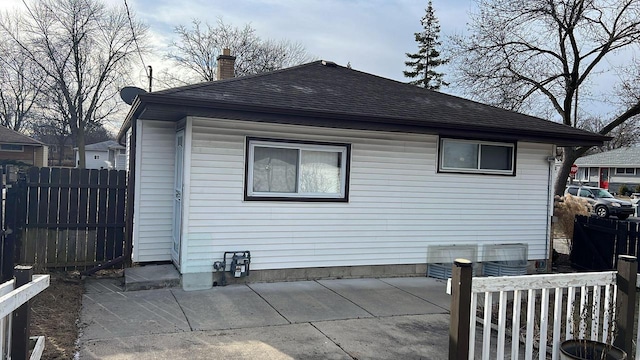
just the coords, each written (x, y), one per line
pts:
(423, 63)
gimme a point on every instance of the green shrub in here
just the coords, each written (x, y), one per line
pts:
(624, 190)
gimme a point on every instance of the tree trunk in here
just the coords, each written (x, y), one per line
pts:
(60, 154)
(82, 162)
(569, 156)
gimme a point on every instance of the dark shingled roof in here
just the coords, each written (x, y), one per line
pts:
(622, 157)
(8, 136)
(324, 94)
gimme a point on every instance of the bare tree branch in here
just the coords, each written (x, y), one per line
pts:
(82, 47)
(197, 48)
(534, 55)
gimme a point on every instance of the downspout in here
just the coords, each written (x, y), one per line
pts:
(549, 243)
(128, 227)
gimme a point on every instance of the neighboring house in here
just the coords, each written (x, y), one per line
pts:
(21, 148)
(324, 171)
(61, 155)
(103, 155)
(611, 169)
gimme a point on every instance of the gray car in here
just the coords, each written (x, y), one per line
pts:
(603, 203)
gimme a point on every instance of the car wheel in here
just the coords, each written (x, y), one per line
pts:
(602, 211)
(623, 217)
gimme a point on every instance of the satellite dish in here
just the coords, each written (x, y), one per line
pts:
(128, 93)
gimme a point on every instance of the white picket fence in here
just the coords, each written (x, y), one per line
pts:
(10, 300)
(597, 294)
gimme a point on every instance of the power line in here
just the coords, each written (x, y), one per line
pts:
(135, 41)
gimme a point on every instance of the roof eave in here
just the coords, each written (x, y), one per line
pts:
(144, 100)
(134, 112)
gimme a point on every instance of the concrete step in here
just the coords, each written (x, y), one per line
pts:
(151, 277)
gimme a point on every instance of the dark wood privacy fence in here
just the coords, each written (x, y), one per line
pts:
(71, 218)
(598, 242)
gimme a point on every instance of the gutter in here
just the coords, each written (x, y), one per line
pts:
(134, 112)
(142, 100)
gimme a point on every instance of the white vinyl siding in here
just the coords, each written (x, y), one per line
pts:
(154, 191)
(398, 203)
(94, 159)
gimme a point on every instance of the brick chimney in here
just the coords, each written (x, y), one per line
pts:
(226, 63)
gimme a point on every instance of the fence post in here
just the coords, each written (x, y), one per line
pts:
(20, 328)
(11, 214)
(460, 318)
(625, 319)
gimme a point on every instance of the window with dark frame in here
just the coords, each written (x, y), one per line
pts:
(296, 170)
(476, 157)
(625, 171)
(12, 147)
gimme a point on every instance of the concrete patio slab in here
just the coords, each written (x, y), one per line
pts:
(151, 277)
(229, 307)
(428, 289)
(296, 341)
(397, 337)
(380, 298)
(110, 315)
(329, 319)
(102, 286)
(305, 301)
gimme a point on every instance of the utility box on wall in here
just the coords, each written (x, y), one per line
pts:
(235, 263)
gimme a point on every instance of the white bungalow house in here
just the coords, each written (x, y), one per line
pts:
(324, 171)
(611, 169)
(103, 155)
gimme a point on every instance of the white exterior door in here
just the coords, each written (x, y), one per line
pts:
(177, 202)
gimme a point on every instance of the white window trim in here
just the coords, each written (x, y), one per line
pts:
(478, 170)
(9, 150)
(624, 171)
(342, 149)
(585, 174)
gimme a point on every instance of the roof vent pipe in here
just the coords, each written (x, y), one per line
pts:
(226, 64)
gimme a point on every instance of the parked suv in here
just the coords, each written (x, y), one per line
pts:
(603, 203)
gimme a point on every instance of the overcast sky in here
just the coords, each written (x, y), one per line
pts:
(373, 35)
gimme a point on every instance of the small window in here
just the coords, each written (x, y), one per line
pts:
(291, 170)
(122, 151)
(625, 171)
(573, 191)
(477, 157)
(12, 147)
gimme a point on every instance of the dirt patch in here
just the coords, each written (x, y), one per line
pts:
(55, 313)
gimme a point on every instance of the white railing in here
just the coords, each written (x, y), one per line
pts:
(597, 294)
(10, 300)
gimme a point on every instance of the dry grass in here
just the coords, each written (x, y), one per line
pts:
(565, 209)
(55, 314)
